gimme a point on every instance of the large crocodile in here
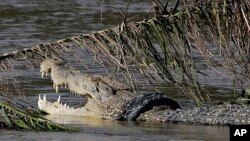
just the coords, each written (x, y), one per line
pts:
(110, 99)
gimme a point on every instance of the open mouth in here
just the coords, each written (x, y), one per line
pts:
(63, 76)
(57, 107)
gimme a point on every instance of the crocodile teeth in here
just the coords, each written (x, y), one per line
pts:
(57, 88)
(44, 97)
(39, 97)
(65, 105)
(42, 75)
(59, 99)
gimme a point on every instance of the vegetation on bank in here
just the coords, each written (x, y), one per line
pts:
(14, 118)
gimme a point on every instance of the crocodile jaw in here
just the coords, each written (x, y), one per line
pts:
(64, 76)
(57, 108)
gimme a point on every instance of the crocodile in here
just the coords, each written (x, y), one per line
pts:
(108, 98)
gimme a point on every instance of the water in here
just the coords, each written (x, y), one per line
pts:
(106, 130)
(25, 23)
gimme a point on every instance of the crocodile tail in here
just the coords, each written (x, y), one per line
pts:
(147, 102)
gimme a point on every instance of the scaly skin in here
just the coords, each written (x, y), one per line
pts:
(204, 115)
(110, 99)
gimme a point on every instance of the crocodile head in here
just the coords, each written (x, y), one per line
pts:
(98, 90)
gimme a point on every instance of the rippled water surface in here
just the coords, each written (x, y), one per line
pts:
(106, 130)
(25, 23)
